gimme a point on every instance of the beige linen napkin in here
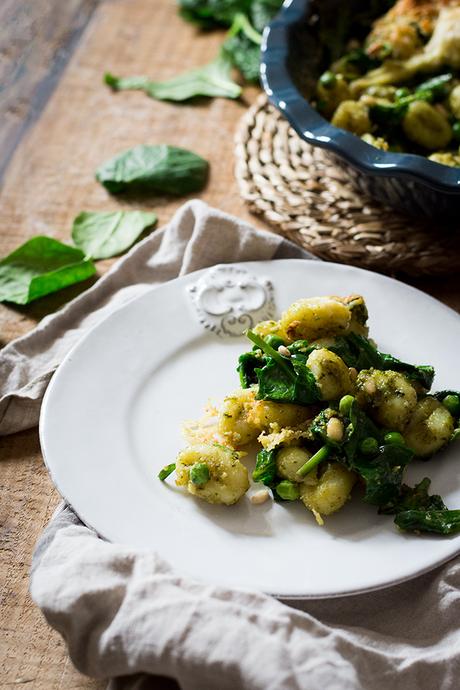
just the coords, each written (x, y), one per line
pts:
(125, 614)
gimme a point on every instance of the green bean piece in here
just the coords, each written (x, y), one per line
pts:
(328, 79)
(452, 403)
(287, 490)
(199, 474)
(274, 341)
(345, 405)
(394, 438)
(166, 471)
(369, 446)
(315, 459)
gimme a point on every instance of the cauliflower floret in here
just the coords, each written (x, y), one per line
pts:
(430, 427)
(331, 373)
(388, 397)
(227, 477)
(330, 493)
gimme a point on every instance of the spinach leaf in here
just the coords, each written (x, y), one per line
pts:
(382, 471)
(248, 362)
(284, 379)
(105, 234)
(245, 56)
(163, 169)
(212, 80)
(40, 266)
(414, 498)
(438, 521)
(357, 351)
(208, 13)
(265, 470)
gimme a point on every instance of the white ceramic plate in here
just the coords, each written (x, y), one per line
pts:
(112, 417)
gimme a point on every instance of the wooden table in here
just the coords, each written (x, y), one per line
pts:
(58, 122)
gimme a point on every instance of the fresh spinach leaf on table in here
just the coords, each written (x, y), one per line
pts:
(212, 80)
(102, 235)
(40, 266)
(163, 169)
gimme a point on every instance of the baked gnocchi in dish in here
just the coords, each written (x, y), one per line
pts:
(331, 415)
(399, 88)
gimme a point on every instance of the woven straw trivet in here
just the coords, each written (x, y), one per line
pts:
(309, 200)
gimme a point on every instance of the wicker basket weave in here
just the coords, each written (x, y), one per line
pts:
(294, 186)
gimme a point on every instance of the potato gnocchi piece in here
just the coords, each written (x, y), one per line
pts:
(330, 493)
(228, 477)
(234, 424)
(265, 328)
(289, 460)
(430, 427)
(331, 373)
(243, 418)
(315, 317)
(264, 413)
(387, 396)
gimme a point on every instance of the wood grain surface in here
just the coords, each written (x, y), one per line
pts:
(49, 179)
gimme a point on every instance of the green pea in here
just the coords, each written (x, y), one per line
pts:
(287, 490)
(369, 446)
(394, 438)
(328, 80)
(199, 474)
(345, 405)
(402, 92)
(274, 341)
(452, 403)
(456, 130)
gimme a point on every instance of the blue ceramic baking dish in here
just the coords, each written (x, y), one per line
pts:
(294, 55)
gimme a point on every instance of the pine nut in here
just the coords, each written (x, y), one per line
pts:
(284, 351)
(334, 429)
(259, 497)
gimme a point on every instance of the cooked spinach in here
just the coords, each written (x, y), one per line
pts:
(265, 469)
(40, 266)
(212, 80)
(163, 169)
(414, 498)
(357, 351)
(284, 379)
(106, 234)
(438, 521)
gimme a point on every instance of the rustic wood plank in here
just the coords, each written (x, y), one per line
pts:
(36, 41)
(48, 181)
